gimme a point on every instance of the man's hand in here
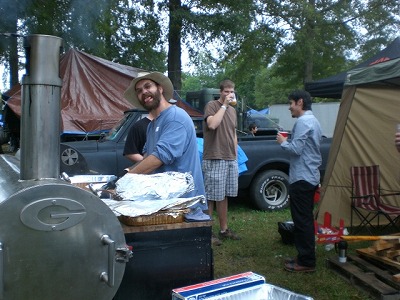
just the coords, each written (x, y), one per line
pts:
(280, 138)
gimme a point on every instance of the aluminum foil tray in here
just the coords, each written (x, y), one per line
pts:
(272, 292)
(90, 178)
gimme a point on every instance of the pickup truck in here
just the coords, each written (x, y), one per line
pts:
(265, 181)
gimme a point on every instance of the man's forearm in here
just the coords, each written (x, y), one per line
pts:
(147, 165)
(134, 157)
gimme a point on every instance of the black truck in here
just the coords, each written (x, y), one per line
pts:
(265, 181)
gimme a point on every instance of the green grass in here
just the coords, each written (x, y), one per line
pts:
(261, 251)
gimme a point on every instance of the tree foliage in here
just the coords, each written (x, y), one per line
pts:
(212, 27)
(111, 29)
(267, 47)
(323, 36)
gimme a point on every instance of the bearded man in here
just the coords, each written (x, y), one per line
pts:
(171, 143)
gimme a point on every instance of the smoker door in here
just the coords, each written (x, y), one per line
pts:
(59, 242)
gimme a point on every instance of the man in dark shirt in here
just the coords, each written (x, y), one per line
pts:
(136, 139)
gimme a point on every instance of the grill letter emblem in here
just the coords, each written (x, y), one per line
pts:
(52, 214)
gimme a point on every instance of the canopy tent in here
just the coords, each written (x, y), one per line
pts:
(332, 86)
(92, 93)
(364, 135)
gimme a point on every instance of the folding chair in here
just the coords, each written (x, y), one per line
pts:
(366, 200)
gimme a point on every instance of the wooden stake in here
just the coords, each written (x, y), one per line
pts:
(369, 237)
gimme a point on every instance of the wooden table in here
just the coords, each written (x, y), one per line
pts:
(165, 257)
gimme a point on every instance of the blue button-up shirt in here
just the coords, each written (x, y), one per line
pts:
(304, 148)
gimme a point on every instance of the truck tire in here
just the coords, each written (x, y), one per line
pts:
(270, 190)
(71, 161)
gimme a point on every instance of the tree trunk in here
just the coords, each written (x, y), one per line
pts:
(13, 61)
(13, 51)
(309, 45)
(174, 44)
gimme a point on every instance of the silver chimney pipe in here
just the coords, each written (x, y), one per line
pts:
(40, 108)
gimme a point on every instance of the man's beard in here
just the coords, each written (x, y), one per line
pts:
(155, 103)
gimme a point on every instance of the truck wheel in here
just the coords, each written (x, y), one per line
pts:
(270, 190)
(71, 161)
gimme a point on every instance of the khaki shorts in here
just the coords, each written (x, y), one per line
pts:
(220, 178)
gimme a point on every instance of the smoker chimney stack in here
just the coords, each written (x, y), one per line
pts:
(40, 108)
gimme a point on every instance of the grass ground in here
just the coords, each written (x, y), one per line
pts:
(261, 250)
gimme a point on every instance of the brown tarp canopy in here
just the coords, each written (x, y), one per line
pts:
(364, 135)
(92, 93)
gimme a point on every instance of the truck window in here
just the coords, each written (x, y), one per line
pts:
(120, 127)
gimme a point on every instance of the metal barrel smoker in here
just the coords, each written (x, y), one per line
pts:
(57, 241)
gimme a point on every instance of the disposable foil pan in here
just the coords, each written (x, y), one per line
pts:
(90, 178)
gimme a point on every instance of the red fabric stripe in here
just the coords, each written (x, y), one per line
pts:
(366, 181)
(365, 184)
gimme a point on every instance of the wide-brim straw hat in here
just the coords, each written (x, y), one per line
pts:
(157, 77)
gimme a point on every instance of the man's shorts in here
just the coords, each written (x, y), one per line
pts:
(220, 178)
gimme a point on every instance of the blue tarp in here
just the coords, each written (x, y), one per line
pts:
(264, 111)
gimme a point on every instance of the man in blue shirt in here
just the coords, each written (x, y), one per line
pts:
(304, 178)
(171, 143)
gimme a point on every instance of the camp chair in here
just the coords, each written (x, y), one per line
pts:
(367, 200)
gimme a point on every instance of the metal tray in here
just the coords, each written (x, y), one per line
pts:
(90, 178)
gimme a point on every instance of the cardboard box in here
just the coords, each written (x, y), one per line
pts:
(326, 234)
(210, 290)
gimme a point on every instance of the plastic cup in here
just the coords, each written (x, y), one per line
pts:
(232, 101)
(284, 133)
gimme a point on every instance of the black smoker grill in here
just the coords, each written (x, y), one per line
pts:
(57, 241)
